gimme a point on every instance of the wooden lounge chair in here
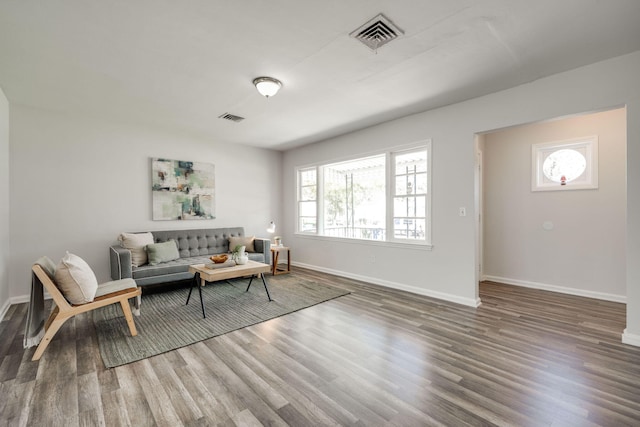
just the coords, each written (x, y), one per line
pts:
(110, 293)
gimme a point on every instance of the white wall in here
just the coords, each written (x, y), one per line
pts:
(76, 183)
(409, 268)
(4, 204)
(449, 270)
(585, 252)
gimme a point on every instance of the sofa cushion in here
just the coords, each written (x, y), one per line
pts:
(180, 265)
(162, 252)
(200, 242)
(247, 242)
(136, 243)
(76, 280)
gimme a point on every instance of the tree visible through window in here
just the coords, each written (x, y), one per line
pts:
(354, 199)
(564, 165)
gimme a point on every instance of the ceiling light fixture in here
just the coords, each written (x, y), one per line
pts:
(267, 86)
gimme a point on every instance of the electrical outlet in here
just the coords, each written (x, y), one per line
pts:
(462, 212)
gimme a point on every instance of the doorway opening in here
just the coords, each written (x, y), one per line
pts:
(569, 241)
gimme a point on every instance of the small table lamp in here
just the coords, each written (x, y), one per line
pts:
(272, 228)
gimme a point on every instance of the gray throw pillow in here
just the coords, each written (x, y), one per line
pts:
(162, 252)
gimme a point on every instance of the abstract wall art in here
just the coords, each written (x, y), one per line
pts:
(182, 190)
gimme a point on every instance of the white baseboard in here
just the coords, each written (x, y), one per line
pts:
(394, 285)
(559, 289)
(24, 298)
(631, 339)
(5, 308)
(18, 300)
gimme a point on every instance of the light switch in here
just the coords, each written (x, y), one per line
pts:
(463, 212)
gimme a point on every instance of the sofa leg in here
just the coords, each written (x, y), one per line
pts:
(136, 305)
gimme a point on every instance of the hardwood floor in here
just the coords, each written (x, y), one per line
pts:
(374, 357)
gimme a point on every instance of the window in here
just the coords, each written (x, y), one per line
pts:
(565, 165)
(353, 199)
(410, 195)
(307, 190)
(383, 197)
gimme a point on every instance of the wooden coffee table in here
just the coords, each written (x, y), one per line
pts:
(202, 275)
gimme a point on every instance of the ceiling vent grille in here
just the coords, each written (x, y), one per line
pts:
(377, 32)
(233, 118)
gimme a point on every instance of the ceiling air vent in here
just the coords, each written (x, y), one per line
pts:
(377, 32)
(231, 117)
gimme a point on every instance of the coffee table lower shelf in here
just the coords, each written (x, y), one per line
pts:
(202, 275)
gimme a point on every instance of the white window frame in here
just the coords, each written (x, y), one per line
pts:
(300, 200)
(389, 195)
(589, 179)
(391, 168)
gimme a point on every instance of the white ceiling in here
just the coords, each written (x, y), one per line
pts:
(181, 64)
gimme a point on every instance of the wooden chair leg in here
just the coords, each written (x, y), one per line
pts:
(126, 309)
(52, 316)
(48, 336)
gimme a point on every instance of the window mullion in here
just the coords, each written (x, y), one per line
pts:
(320, 200)
(390, 192)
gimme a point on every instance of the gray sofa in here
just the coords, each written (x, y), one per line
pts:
(194, 247)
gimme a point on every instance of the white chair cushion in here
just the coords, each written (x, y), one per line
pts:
(115, 286)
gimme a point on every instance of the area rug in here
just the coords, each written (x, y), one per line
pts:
(166, 323)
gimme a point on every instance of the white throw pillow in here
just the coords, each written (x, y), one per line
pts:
(136, 243)
(76, 280)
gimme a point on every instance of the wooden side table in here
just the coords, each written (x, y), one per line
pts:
(275, 255)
